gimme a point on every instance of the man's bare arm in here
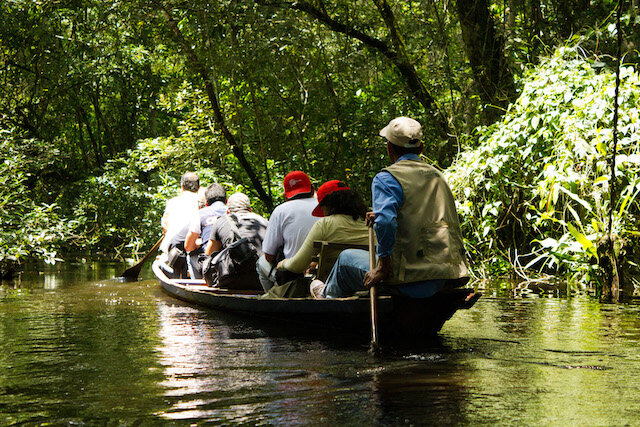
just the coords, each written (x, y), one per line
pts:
(213, 246)
(190, 241)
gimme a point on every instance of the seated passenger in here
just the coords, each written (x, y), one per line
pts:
(200, 228)
(175, 223)
(288, 226)
(239, 222)
(342, 213)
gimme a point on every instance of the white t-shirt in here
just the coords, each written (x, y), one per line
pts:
(289, 224)
(177, 216)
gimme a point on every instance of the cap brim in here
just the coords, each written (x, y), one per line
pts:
(383, 133)
(297, 191)
(317, 211)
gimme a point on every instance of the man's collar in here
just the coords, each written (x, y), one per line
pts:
(219, 208)
(408, 156)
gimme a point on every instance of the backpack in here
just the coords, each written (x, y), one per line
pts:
(234, 267)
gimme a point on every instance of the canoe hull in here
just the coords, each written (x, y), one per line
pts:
(399, 318)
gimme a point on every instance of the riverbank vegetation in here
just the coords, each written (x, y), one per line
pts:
(534, 187)
(104, 105)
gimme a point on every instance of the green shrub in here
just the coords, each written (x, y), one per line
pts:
(535, 191)
(28, 228)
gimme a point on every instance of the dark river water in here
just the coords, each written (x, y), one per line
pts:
(79, 348)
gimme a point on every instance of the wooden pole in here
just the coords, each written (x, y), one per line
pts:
(373, 294)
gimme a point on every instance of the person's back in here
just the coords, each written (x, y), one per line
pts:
(181, 209)
(208, 217)
(338, 228)
(179, 212)
(428, 239)
(177, 216)
(239, 223)
(215, 197)
(249, 225)
(215, 207)
(289, 225)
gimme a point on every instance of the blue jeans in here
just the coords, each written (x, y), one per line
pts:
(347, 277)
(193, 265)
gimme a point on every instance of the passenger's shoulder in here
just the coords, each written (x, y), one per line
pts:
(173, 200)
(332, 220)
(298, 203)
(256, 217)
(322, 223)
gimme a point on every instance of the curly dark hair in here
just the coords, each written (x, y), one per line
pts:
(345, 202)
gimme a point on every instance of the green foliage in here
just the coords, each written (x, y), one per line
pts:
(535, 191)
(120, 210)
(111, 111)
(28, 228)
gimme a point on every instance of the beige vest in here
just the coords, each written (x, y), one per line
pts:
(428, 238)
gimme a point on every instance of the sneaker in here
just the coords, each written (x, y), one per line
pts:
(316, 287)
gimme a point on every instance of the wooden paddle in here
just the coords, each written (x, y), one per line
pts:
(132, 273)
(373, 294)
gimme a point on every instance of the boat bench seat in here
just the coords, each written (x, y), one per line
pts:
(328, 254)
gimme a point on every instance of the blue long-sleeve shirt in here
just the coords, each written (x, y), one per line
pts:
(387, 197)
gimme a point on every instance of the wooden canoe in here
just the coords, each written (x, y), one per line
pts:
(399, 317)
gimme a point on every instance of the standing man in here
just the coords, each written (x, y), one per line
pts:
(288, 226)
(200, 227)
(420, 247)
(177, 216)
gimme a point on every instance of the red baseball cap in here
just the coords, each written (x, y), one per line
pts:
(295, 183)
(325, 189)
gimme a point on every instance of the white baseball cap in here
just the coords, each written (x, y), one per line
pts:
(403, 132)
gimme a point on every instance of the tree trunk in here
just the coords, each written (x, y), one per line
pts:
(219, 118)
(535, 30)
(81, 143)
(82, 116)
(485, 51)
(511, 17)
(108, 136)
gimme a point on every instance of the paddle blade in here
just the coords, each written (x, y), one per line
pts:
(132, 273)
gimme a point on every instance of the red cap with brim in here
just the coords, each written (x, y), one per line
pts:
(326, 189)
(296, 182)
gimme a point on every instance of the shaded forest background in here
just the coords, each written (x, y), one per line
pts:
(103, 105)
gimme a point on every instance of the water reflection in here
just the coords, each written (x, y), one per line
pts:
(218, 370)
(409, 392)
(556, 369)
(81, 348)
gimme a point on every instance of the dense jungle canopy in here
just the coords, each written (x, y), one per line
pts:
(103, 105)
